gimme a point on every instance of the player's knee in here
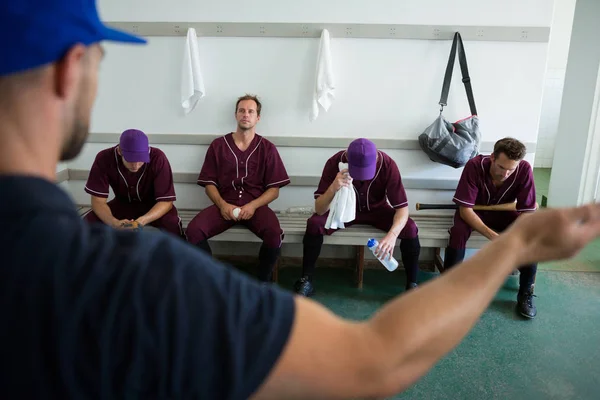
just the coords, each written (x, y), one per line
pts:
(315, 225)
(195, 232)
(410, 230)
(273, 237)
(91, 217)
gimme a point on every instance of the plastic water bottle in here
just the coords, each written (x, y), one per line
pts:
(391, 264)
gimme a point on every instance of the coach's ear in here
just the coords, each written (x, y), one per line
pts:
(68, 72)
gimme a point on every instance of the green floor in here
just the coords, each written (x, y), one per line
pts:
(542, 182)
(555, 356)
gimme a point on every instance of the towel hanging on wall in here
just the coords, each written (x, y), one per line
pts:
(192, 83)
(324, 91)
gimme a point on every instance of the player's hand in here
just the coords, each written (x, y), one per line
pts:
(227, 211)
(141, 221)
(385, 250)
(553, 234)
(247, 211)
(342, 179)
(122, 223)
(492, 235)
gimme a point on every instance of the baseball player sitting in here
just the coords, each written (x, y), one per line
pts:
(502, 177)
(141, 179)
(242, 174)
(380, 201)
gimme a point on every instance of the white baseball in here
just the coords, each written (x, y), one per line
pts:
(236, 212)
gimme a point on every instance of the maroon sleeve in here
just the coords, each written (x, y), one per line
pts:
(97, 183)
(330, 171)
(526, 193)
(394, 188)
(208, 173)
(275, 172)
(164, 190)
(467, 189)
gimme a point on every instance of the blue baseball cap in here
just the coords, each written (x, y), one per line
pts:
(38, 32)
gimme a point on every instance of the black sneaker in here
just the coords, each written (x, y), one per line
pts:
(411, 285)
(304, 287)
(525, 305)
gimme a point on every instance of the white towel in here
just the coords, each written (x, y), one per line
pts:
(324, 83)
(192, 83)
(343, 206)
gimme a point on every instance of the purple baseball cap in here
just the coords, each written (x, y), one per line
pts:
(362, 159)
(134, 146)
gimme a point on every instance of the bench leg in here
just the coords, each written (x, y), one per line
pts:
(437, 260)
(360, 265)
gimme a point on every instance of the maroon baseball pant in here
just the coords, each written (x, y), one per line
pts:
(381, 218)
(264, 224)
(460, 233)
(169, 222)
(209, 222)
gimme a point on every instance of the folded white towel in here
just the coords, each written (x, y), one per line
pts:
(192, 83)
(343, 206)
(324, 92)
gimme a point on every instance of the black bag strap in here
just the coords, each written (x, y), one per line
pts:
(462, 59)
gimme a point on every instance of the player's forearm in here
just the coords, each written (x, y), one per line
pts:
(323, 202)
(156, 212)
(413, 332)
(266, 198)
(102, 211)
(471, 218)
(400, 219)
(213, 194)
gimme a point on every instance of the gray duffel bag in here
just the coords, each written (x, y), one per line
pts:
(453, 143)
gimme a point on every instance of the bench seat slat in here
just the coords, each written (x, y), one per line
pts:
(433, 230)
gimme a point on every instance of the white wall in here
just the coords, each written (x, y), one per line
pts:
(385, 88)
(576, 159)
(558, 49)
(458, 12)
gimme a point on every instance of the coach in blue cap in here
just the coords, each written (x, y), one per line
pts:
(94, 312)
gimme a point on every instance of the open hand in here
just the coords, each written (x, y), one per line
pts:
(554, 234)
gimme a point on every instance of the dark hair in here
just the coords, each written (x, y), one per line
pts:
(513, 149)
(249, 97)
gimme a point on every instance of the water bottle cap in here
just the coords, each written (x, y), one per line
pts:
(371, 242)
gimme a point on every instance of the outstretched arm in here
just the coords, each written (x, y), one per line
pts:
(329, 358)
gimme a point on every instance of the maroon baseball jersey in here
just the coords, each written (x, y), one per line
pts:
(151, 184)
(476, 187)
(370, 195)
(242, 176)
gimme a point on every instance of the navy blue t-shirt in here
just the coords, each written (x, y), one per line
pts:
(93, 312)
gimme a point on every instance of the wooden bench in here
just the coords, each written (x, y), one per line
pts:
(433, 233)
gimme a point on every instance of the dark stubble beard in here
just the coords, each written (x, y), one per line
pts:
(72, 147)
(79, 131)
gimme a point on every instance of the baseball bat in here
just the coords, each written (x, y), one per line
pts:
(493, 207)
